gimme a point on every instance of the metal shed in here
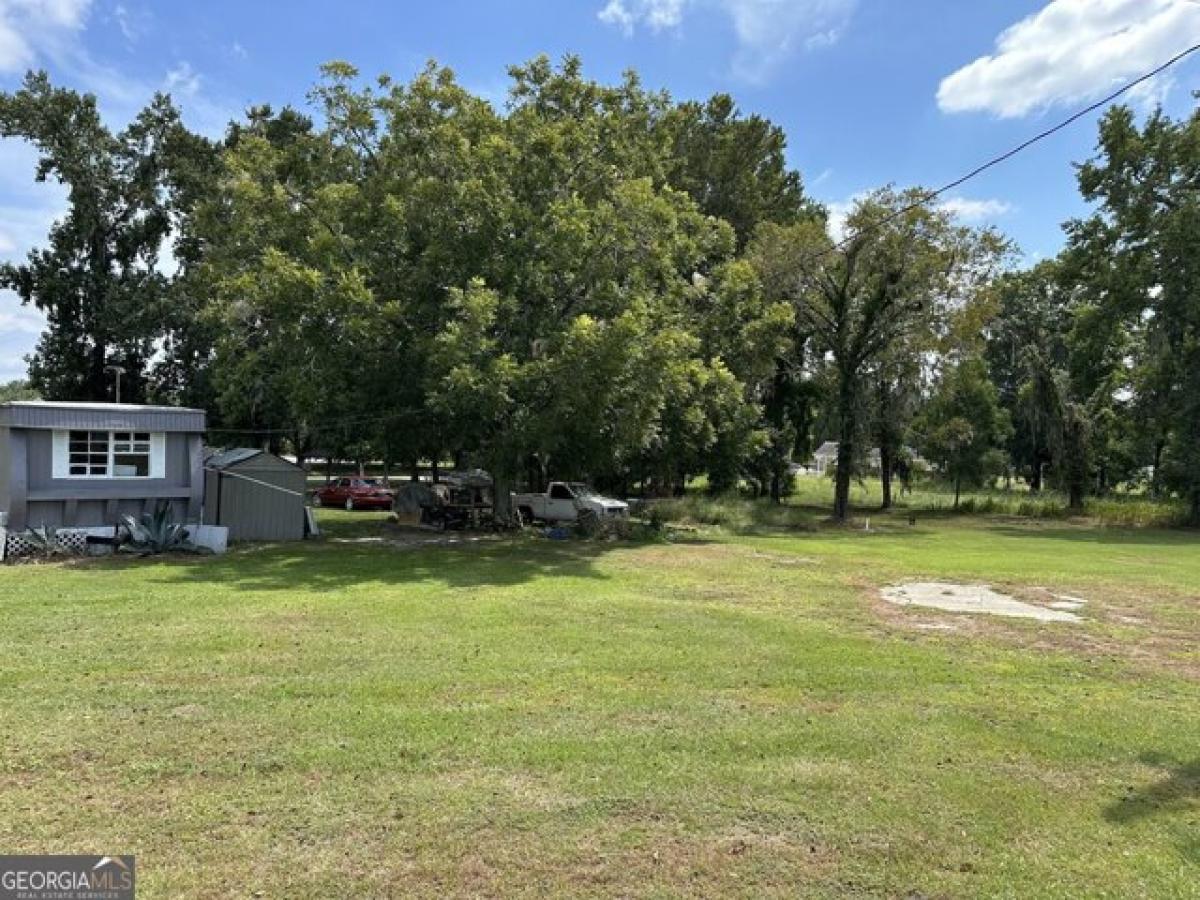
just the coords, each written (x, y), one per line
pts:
(257, 495)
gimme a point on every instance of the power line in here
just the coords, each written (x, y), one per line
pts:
(324, 426)
(1004, 157)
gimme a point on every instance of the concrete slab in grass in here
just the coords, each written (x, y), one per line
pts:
(972, 598)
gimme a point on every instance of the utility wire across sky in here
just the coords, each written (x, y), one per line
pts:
(1004, 157)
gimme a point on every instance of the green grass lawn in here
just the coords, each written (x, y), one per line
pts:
(736, 714)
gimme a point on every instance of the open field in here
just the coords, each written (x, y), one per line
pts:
(738, 714)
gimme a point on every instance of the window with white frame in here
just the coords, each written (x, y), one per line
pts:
(108, 454)
(89, 453)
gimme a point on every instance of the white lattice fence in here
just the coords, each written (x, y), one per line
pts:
(22, 544)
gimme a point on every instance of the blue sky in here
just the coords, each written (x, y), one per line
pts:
(869, 91)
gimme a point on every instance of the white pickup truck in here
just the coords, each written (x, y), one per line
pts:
(562, 502)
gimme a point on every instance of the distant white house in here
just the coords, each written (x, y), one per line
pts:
(824, 460)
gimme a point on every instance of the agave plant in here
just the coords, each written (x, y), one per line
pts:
(156, 533)
(46, 542)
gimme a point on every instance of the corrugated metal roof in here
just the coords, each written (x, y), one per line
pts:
(227, 458)
(235, 456)
(100, 416)
(106, 407)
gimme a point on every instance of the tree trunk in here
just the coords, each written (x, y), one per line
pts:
(885, 474)
(1195, 516)
(434, 471)
(97, 387)
(957, 490)
(502, 489)
(1035, 481)
(1075, 496)
(301, 447)
(328, 468)
(841, 483)
(845, 457)
(1156, 478)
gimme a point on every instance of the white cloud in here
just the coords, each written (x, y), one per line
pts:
(182, 81)
(29, 27)
(27, 208)
(125, 22)
(839, 212)
(20, 327)
(975, 210)
(122, 97)
(61, 13)
(768, 31)
(28, 211)
(618, 15)
(968, 211)
(1153, 93)
(15, 53)
(133, 22)
(50, 32)
(655, 14)
(1071, 51)
(19, 319)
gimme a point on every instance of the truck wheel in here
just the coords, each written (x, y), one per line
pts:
(526, 514)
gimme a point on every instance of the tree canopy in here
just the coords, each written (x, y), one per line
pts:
(596, 281)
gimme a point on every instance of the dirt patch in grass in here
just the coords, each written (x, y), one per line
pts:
(684, 555)
(1117, 626)
(783, 560)
(735, 861)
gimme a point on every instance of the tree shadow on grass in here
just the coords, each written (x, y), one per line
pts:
(325, 566)
(1093, 534)
(1177, 791)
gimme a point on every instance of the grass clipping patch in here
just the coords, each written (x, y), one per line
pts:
(975, 598)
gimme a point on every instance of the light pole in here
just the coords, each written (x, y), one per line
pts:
(118, 371)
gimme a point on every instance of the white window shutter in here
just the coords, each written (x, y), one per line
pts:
(158, 455)
(61, 466)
